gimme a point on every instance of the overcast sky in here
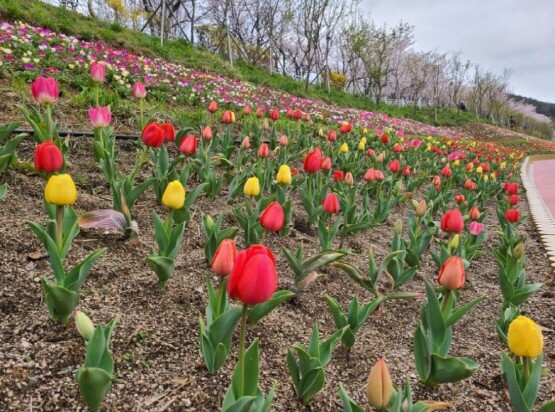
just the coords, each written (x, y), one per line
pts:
(496, 34)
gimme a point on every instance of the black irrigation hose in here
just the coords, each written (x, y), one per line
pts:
(83, 134)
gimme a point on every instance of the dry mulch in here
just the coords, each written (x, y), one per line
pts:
(155, 345)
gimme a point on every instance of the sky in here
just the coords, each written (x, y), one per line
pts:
(496, 34)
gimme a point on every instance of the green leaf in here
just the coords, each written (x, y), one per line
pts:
(94, 384)
(437, 324)
(75, 278)
(327, 347)
(337, 313)
(223, 326)
(422, 353)
(547, 407)
(60, 301)
(262, 309)
(515, 393)
(450, 369)
(243, 404)
(460, 311)
(3, 191)
(322, 259)
(348, 404)
(530, 392)
(162, 266)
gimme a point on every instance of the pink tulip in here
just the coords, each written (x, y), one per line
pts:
(475, 228)
(100, 116)
(98, 72)
(139, 90)
(45, 89)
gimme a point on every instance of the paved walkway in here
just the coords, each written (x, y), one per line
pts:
(543, 172)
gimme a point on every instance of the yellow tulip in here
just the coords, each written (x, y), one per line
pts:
(320, 132)
(479, 170)
(364, 131)
(60, 190)
(284, 175)
(174, 195)
(380, 387)
(456, 162)
(362, 144)
(525, 337)
(344, 148)
(486, 178)
(252, 187)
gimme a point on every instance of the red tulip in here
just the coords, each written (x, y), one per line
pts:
(512, 215)
(274, 115)
(331, 204)
(139, 90)
(407, 171)
(228, 117)
(153, 135)
(283, 140)
(332, 136)
(370, 175)
(254, 276)
(469, 185)
(169, 132)
(474, 213)
(188, 145)
(48, 157)
(312, 162)
(511, 188)
(437, 182)
(452, 274)
(459, 198)
(263, 150)
(345, 128)
(385, 139)
(338, 175)
(513, 200)
(213, 107)
(290, 113)
(100, 116)
(297, 114)
(224, 258)
(273, 217)
(394, 166)
(452, 221)
(98, 72)
(325, 164)
(370, 152)
(397, 148)
(247, 110)
(207, 133)
(45, 89)
(259, 112)
(446, 171)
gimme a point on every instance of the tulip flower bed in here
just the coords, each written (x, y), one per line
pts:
(263, 262)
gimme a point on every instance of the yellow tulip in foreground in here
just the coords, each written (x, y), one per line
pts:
(284, 175)
(380, 387)
(344, 148)
(252, 187)
(525, 337)
(174, 195)
(60, 190)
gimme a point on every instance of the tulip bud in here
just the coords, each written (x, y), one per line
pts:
(512, 215)
(518, 251)
(139, 90)
(379, 388)
(247, 110)
(153, 135)
(265, 124)
(283, 141)
(454, 242)
(100, 116)
(337, 176)
(84, 325)
(98, 72)
(213, 107)
(252, 187)
(326, 164)
(263, 151)
(420, 207)
(525, 337)
(475, 228)
(48, 157)
(398, 226)
(513, 200)
(224, 257)
(331, 204)
(188, 145)
(45, 90)
(474, 213)
(452, 221)
(272, 218)
(169, 132)
(332, 136)
(349, 180)
(174, 195)
(452, 274)
(228, 117)
(207, 133)
(344, 148)
(283, 176)
(60, 190)
(259, 112)
(246, 143)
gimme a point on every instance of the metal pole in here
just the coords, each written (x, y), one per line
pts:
(228, 40)
(163, 23)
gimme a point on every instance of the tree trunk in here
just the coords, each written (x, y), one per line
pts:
(91, 9)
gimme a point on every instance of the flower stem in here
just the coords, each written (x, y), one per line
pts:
(526, 368)
(49, 122)
(141, 108)
(241, 363)
(168, 222)
(221, 292)
(445, 301)
(59, 227)
(97, 95)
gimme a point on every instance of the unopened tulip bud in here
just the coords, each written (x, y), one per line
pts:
(209, 222)
(454, 242)
(398, 227)
(246, 143)
(283, 140)
(207, 133)
(349, 180)
(420, 208)
(518, 250)
(265, 124)
(379, 388)
(84, 325)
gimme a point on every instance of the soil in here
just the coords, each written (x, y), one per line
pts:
(156, 345)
